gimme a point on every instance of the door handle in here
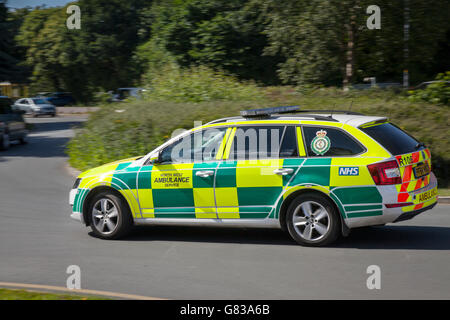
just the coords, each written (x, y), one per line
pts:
(204, 174)
(283, 171)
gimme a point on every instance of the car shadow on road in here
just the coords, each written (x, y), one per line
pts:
(38, 146)
(405, 237)
(393, 237)
(54, 126)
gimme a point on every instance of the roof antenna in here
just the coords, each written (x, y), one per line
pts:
(331, 116)
(350, 108)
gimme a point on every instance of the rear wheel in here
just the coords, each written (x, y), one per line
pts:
(312, 220)
(110, 217)
(5, 141)
(23, 140)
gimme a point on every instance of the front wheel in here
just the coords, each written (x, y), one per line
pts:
(110, 216)
(312, 220)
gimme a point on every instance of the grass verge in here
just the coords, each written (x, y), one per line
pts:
(14, 294)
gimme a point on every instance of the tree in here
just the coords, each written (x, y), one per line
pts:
(96, 57)
(221, 34)
(10, 54)
(327, 41)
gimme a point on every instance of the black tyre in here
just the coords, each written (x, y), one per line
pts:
(4, 141)
(312, 220)
(110, 216)
(23, 140)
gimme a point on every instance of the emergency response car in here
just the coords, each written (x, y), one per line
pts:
(315, 174)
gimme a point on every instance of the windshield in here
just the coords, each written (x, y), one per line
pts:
(395, 140)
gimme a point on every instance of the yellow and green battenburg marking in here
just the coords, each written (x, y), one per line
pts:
(241, 189)
(245, 189)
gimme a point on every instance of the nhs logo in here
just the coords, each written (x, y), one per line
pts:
(349, 171)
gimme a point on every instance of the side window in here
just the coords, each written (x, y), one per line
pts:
(328, 142)
(289, 145)
(201, 145)
(263, 142)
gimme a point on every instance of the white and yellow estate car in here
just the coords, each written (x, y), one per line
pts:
(314, 174)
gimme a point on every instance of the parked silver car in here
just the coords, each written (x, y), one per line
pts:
(35, 106)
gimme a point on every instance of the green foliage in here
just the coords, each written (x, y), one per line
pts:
(124, 130)
(438, 92)
(221, 34)
(313, 37)
(81, 61)
(198, 84)
(10, 54)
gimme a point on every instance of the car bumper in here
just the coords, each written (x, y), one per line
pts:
(78, 216)
(44, 111)
(396, 214)
(411, 214)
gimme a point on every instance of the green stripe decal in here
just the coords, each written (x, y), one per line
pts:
(359, 208)
(364, 214)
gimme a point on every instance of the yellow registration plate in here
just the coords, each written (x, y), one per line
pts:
(427, 195)
(421, 170)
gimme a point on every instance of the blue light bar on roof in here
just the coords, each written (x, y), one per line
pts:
(268, 111)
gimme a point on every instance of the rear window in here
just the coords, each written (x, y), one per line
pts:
(329, 142)
(394, 139)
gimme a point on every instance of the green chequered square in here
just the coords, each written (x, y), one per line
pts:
(259, 196)
(315, 175)
(293, 163)
(226, 177)
(145, 179)
(199, 182)
(357, 195)
(125, 180)
(173, 198)
(318, 162)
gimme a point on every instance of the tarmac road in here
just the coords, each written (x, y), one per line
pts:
(38, 241)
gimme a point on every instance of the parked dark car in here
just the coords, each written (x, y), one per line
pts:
(121, 94)
(58, 98)
(12, 125)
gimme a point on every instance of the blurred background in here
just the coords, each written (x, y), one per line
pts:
(202, 59)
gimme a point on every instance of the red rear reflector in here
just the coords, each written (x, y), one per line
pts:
(397, 205)
(385, 173)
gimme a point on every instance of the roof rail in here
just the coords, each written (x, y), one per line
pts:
(333, 111)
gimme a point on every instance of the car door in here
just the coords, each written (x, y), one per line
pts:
(182, 184)
(260, 162)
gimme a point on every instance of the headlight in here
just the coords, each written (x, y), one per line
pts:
(76, 184)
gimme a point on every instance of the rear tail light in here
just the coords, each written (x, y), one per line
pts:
(398, 205)
(385, 173)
